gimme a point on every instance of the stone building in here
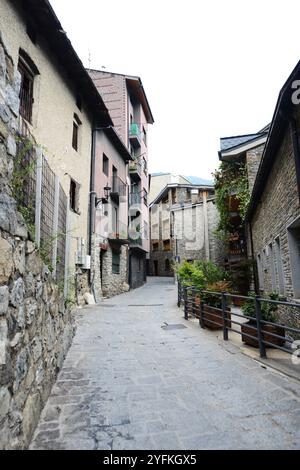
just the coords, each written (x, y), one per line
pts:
(183, 219)
(109, 273)
(273, 216)
(238, 152)
(125, 97)
(60, 106)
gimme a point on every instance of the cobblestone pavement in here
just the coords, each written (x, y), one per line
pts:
(128, 383)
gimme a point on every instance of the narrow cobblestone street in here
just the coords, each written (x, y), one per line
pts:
(130, 383)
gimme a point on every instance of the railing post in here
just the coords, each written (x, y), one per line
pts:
(262, 349)
(179, 294)
(201, 323)
(224, 315)
(193, 301)
(38, 195)
(186, 314)
(55, 225)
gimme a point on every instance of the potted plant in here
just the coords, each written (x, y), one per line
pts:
(212, 306)
(268, 313)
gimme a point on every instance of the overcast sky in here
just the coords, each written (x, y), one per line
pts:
(210, 68)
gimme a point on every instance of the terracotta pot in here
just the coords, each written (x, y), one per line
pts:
(276, 329)
(214, 314)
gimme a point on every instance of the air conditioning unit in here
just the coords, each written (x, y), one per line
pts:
(86, 262)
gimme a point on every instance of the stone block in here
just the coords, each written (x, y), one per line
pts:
(17, 293)
(6, 262)
(5, 398)
(3, 340)
(4, 298)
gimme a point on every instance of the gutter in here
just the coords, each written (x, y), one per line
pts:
(92, 197)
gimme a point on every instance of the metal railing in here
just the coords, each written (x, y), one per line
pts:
(118, 186)
(256, 332)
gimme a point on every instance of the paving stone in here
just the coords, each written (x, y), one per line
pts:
(128, 384)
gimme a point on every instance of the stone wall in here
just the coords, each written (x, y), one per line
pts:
(253, 158)
(35, 327)
(277, 209)
(114, 284)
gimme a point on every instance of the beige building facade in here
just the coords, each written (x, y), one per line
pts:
(59, 108)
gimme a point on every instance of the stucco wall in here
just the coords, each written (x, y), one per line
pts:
(53, 110)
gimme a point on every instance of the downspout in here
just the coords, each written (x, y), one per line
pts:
(296, 150)
(92, 197)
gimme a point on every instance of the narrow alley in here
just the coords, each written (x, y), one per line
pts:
(138, 376)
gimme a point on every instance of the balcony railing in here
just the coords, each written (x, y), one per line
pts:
(118, 188)
(135, 198)
(135, 135)
(135, 170)
(119, 233)
(135, 239)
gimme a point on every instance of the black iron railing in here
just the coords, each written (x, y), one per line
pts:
(256, 332)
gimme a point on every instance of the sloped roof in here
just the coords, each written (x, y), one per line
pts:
(43, 18)
(197, 180)
(236, 141)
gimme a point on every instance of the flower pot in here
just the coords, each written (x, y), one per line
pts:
(238, 302)
(275, 329)
(213, 314)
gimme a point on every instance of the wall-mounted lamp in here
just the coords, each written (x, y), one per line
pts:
(104, 200)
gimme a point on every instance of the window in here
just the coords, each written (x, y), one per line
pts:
(75, 136)
(105, 165)
(146, 234)
(260, 273)
(155, 247)
(145, 197)
(74, 196)
(272, 267)
(144, 136)
(115, 262)
(279, 268)
(167, 245)
(28, 72)
(167, 265)
(294, 250)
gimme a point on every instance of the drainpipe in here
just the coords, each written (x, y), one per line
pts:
(295, 140)
(92, 197)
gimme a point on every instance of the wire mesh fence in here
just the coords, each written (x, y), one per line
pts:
(43, 204)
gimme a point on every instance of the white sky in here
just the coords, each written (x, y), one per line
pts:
(210, 68)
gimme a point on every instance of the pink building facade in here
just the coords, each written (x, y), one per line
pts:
(129, 109)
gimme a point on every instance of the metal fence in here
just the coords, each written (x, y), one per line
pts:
(43, 203)
(213, 310)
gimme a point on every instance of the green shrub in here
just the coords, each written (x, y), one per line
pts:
(211, 271)
(268, 310)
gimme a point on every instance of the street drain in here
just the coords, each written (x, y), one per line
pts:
(176, 326)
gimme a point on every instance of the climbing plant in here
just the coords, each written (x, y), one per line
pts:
(231, 179)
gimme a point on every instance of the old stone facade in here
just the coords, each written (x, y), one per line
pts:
(35, 326)
(108, 278)
(183, 223)
(278, 209)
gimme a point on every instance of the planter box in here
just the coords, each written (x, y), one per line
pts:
(214, 314)
(238, 302)
(277, 330)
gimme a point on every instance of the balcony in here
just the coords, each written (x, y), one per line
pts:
(119, 234)
(135, 135)
(135, 198)
(135, 170)
(135, 240)
(118, 188)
